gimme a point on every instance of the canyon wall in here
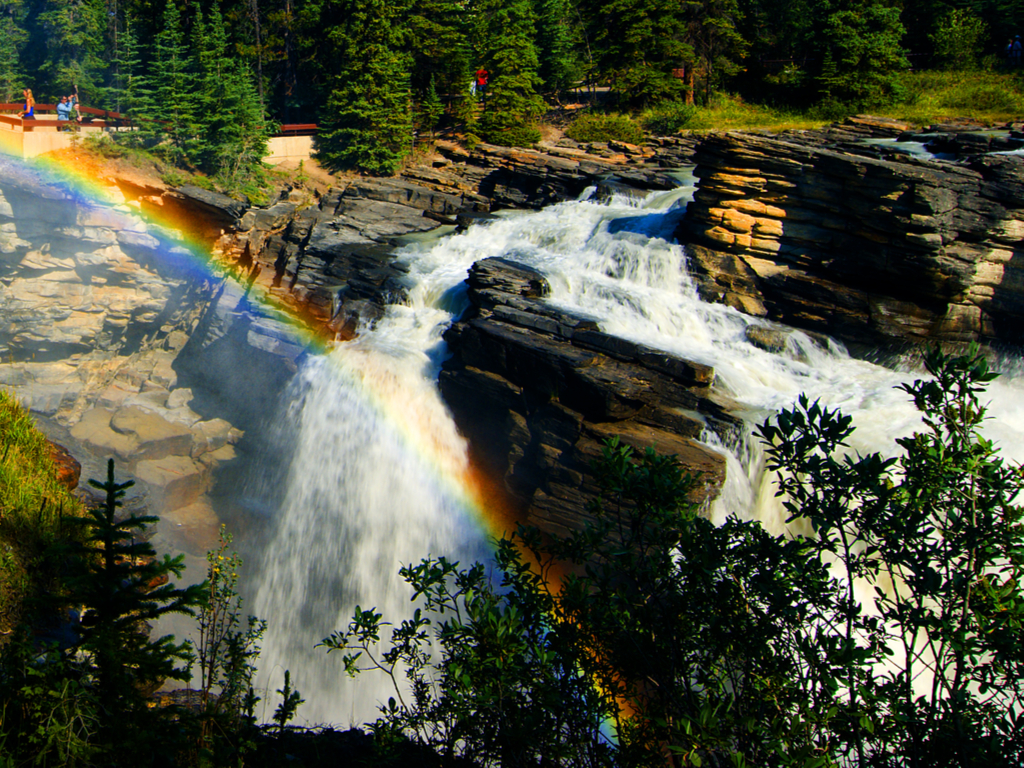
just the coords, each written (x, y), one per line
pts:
(887, 250)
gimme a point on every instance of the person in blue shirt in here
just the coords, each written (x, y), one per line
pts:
(30, 105)
(64, 109)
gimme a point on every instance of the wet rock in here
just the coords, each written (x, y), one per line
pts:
(768, 339)
(537, 390)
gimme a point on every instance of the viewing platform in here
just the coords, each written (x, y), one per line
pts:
(28, 138)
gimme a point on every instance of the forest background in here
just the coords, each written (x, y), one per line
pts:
(205, 80)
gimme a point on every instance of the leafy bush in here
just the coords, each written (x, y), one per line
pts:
(725, 645)
(512, 136)
(668, 118)
(591, 127)
(934, 676)
(958, 39)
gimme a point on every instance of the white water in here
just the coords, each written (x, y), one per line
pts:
(361, 498)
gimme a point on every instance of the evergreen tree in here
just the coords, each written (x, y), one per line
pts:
(437, 41)
(639, 44)
(72, 33)
(367, 121)
(431, 109)
(512, 103)
(717, 45)
(173, 87)
(558, 37)
(12, 38)
(124, 586)
(861, 57)
(131, 93)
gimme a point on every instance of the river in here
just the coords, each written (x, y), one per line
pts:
(371, 475)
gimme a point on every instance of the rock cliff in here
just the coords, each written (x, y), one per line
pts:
(875, 251)
(537, 391)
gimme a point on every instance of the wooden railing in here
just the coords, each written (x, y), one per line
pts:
(105, 118)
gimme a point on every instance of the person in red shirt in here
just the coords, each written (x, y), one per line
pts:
(482, 76)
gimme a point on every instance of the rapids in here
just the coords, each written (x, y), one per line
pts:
(368, 468)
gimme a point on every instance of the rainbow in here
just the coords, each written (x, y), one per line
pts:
(188, 247)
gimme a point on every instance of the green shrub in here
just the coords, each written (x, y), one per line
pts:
(668, 118)
(511, 136)
(593, 127)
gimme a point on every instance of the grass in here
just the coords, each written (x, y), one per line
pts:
(985, 96)
(728, 112)
(33, 505)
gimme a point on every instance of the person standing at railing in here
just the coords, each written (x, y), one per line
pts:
(74, 113)
(30, 105)
(63, 110)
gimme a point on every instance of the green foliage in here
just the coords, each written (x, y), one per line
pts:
(123, 586)
(861, 53)
(559, 35)
(431, 109)
(511, 104)
(226, 650)
(934, 675)
(173, 110)
(12, 39)
(34, 512)
(73, 44)
(639, 44)
(49, 712)
(958, 39)
(291, 700)
(131, 91)
(367, 122)
(487, 675)
(437, 39)
(725, 645)
(669, 118)
(593, 126)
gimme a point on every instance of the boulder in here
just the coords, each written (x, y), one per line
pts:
(173, 482)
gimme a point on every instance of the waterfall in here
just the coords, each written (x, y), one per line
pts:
(372, 479)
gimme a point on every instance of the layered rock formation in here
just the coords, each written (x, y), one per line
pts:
(873, 251)
(96, 306)
(331, 262)
(537, 391)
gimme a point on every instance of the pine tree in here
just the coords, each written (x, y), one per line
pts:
(72, 32)
(367, 121)
(123, 586)
(437, 40)
(717, 45)
(12, 38)
(558, 36)
(512, 102)
(431, 109)
(173, 87)
(131, 93)
(639, 43)
(859, 41)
